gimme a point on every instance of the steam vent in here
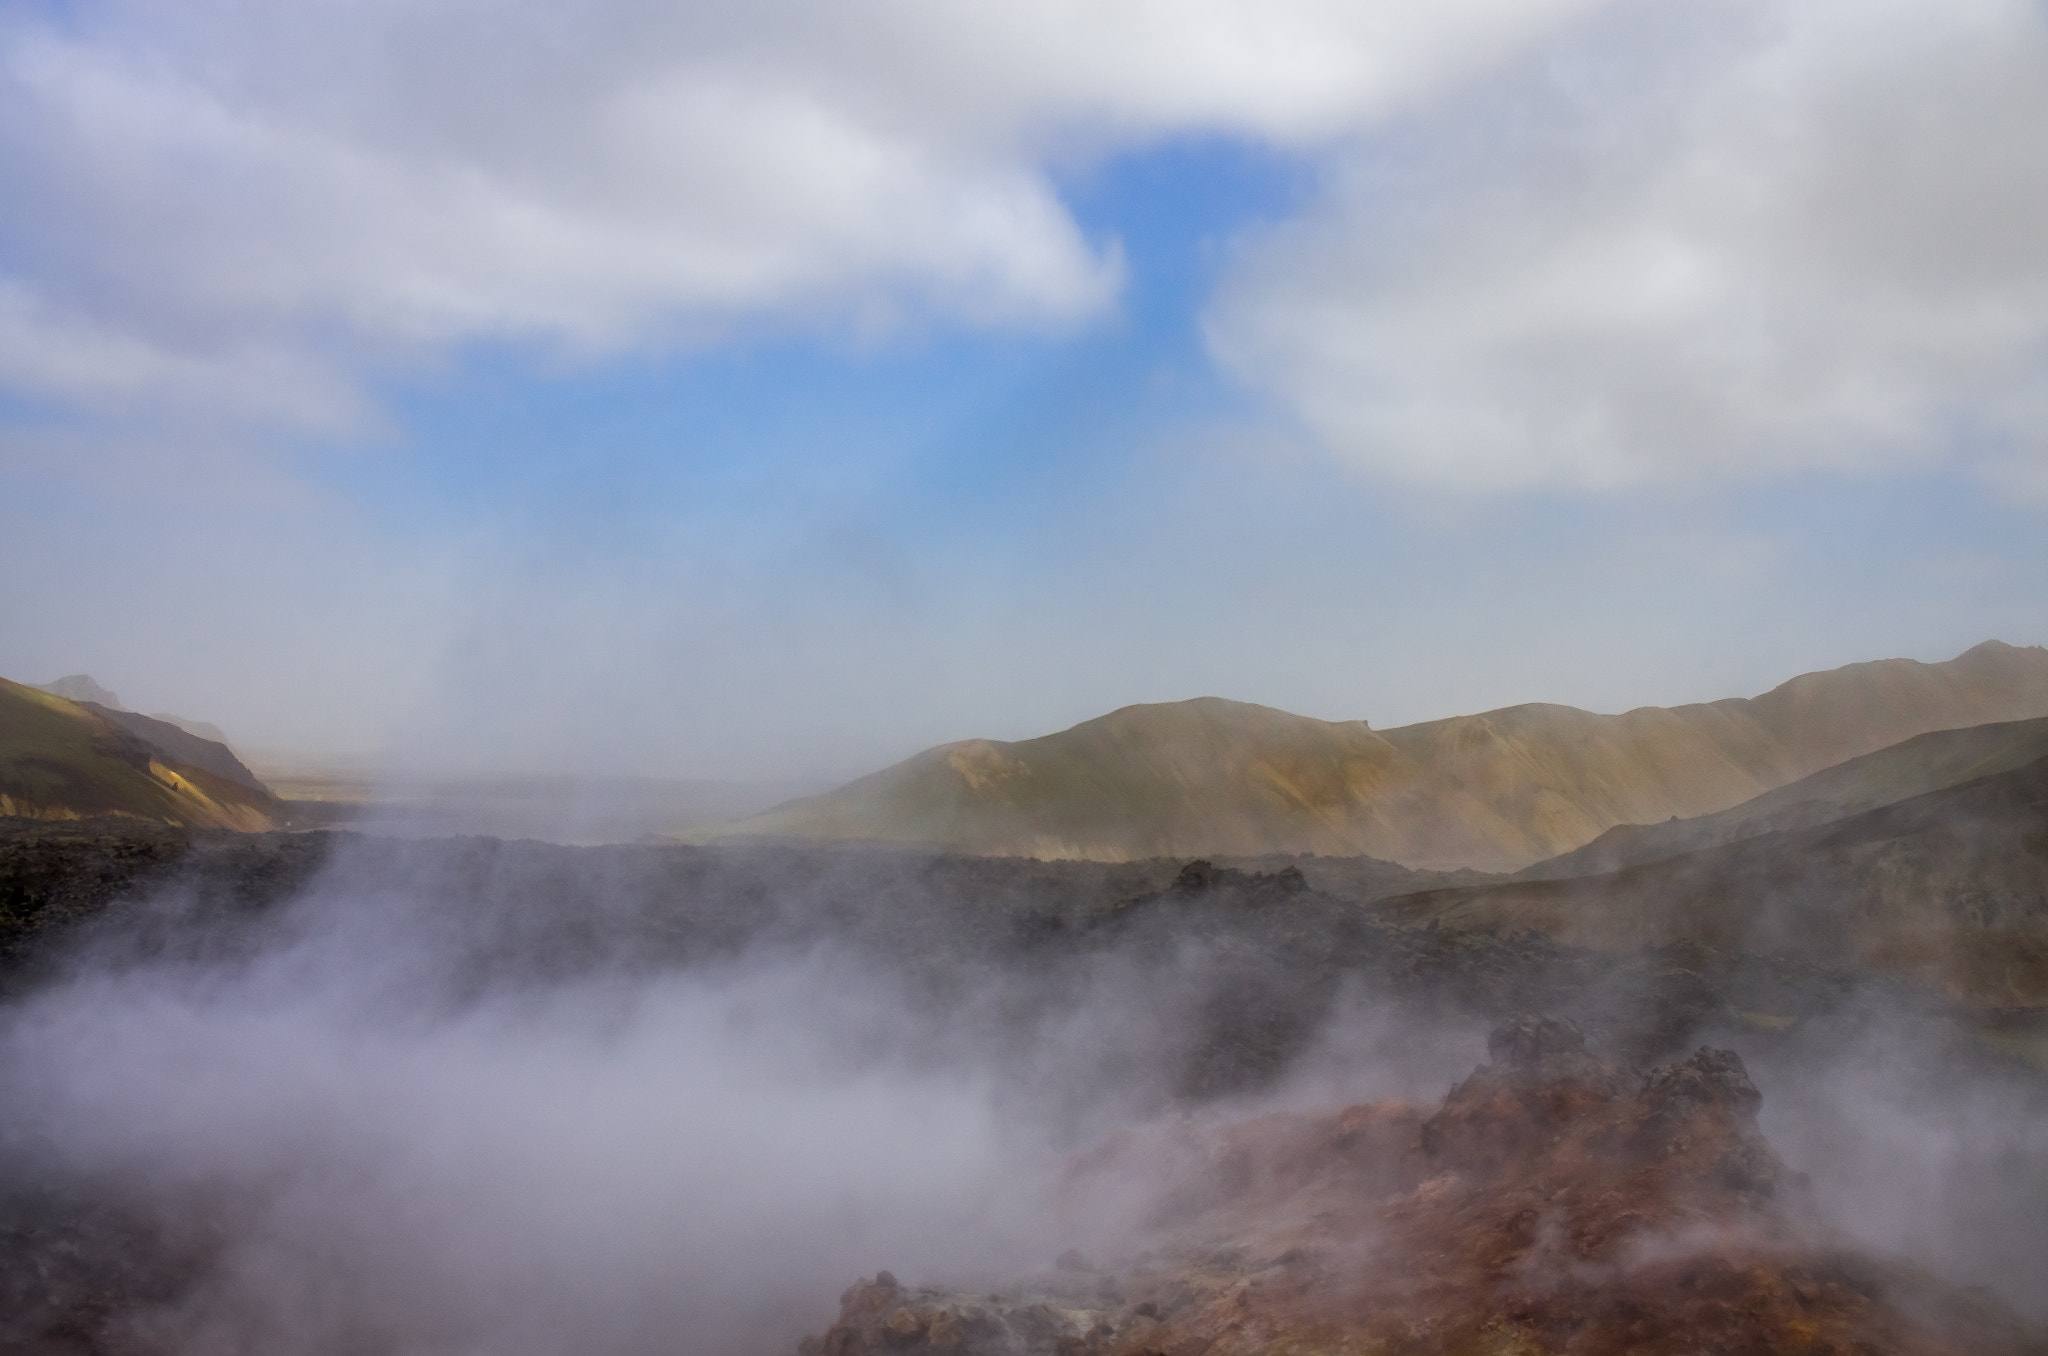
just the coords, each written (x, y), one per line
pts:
(1553, 1202)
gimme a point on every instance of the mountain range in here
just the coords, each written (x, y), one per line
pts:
(1498, 791)
(1546, 790)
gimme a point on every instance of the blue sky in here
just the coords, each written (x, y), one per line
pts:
(917, 432)
(744, 400)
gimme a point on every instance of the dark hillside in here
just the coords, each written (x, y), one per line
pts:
(209, 755)
(1277, 949)
(1929, 762)
(1950, 888)
(1224, 980)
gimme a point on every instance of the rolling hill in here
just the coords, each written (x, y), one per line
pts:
(1948, 887)
(1497, 791)
(61, 759)
(1912, 767)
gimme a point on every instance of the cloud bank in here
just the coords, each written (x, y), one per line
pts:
(1681, 244)
(1572, 243)
(235, 212)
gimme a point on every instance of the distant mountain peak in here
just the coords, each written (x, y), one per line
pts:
(80, 687)
(1997, 651)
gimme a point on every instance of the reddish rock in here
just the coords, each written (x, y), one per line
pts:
(1552, 1203)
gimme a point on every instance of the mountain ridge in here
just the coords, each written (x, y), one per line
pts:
(1499, 790)
(1925, 763)
(183, 745)
(64, 759)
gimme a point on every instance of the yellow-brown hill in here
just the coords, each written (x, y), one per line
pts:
(1496, 791)
(61, 759)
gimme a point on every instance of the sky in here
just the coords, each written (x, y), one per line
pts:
(766, 391)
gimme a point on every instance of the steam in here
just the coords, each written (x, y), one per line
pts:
(1919, 1146)
(389, 1117)
(373, 1159)
(445, 1103)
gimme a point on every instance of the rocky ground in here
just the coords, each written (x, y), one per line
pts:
(1276, 944)
(1553, 1202)
(1559, 1199)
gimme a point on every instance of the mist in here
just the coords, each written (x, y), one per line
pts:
(1919, 1147)
(382, 1118)
(677, 1166)
(478, 1097)
(372, 1152)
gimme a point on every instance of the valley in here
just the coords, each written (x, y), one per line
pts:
(1773, 1077)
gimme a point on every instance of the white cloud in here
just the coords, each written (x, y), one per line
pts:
(1657, 242)
(81, 359)
(237, 207)
(1762, 237)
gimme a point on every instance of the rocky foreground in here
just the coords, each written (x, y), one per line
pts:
(1555, 1201)
(1552, 1203)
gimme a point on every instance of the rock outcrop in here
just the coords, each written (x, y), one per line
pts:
(1553, 1202)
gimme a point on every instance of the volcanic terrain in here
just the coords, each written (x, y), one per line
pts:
(1218, 1083)
(1551, 1203)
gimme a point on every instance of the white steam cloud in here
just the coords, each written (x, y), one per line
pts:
(684, 1165)
(396, 1116)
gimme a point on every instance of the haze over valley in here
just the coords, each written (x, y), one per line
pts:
(1868, 942)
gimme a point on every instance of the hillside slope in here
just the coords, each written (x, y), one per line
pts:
(210, 755)
(1948, 888)
(1913, 767)
(61, 759)
(1496, 791)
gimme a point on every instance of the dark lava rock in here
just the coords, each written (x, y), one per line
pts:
(875, 1318)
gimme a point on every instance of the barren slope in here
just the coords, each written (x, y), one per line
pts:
(1950, 887)
(61, 759)
(1496, 791)
(1913, 767)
